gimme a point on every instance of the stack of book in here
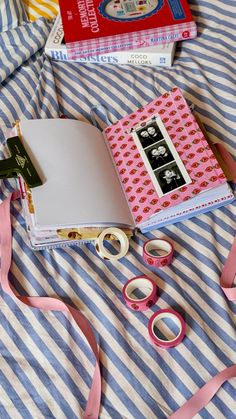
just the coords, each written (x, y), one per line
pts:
(159, 55)
(142, 32)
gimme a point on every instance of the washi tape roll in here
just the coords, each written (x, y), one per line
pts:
(145, 285)
(151, 249)
(166, 314)
(120, 236)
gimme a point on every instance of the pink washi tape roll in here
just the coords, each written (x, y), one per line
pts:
(163, 249)
(166, 314)
(144, 284)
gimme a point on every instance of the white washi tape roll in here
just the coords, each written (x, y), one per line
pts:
(120, 236)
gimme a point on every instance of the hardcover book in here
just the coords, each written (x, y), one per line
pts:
(158, 55)
(101, 26)
(149, 169)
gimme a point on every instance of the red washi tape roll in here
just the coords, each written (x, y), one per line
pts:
(166, 314)
(144, 284)
(158, 245)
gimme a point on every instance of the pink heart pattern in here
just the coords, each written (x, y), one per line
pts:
(189, 142)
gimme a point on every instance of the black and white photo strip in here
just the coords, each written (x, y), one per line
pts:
(149, 134)
(160, 156)
(169, 178)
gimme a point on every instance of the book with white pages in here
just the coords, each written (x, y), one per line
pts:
(95, 179)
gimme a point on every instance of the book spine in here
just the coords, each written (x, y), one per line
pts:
(132, 40)
(128, 57)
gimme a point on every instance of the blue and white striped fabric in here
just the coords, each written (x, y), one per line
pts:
(12, 14)
(45, 365)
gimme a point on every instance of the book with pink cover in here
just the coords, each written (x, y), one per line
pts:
(149, 169)
(146, 175)
(104, 26)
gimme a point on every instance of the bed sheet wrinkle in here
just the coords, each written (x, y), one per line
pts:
(12, 14)
(19, 44)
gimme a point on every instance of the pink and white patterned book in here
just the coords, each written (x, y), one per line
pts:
(149, 169)
(166, 166)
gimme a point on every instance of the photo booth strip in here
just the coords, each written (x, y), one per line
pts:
(174, 162)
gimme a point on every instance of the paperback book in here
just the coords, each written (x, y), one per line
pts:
(158, 55)
(151, 168)
(102, 26)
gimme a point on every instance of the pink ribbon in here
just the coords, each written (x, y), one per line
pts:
(204, 395)
(228, 274)
(229, 270)
(48, 303)
(228, 159)
(192, 406)
(207, 392)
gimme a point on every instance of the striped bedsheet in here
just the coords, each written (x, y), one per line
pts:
(45, 365)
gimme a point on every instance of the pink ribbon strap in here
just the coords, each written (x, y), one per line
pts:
(228, 274)
(192, 406)
(229, 270)
(48, 303)
(204, 395)
(228, 159)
